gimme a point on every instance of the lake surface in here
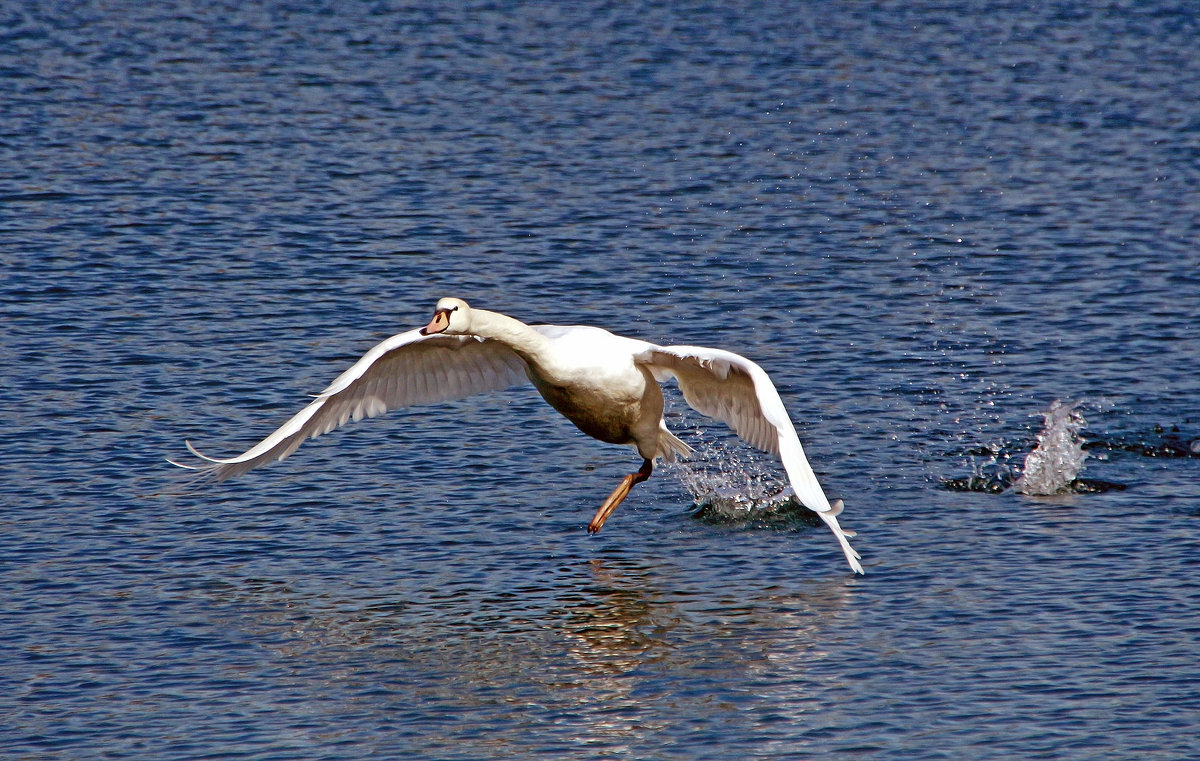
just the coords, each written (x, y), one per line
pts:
(929, 223)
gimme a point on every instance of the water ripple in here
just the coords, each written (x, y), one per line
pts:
(927, 224)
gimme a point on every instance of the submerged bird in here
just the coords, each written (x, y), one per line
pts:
(607, 385)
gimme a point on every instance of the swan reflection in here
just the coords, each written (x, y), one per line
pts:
(603, 653)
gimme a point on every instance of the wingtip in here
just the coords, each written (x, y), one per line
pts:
(196, 452)
(853, 558)
(843, 535)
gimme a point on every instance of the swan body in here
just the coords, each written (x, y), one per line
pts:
(607, 385)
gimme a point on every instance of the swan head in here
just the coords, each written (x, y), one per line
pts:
(451, 316)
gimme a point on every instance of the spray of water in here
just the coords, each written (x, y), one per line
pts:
(1054, 464)
(730, 481)
(1051, 467)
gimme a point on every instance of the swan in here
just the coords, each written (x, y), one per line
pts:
(607, 385)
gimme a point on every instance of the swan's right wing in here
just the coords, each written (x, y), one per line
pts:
(731, 388)
(404, 370)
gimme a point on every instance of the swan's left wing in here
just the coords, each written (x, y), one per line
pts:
(731, 388)
(404, 370)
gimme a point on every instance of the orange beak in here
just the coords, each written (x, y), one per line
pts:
(440, 321)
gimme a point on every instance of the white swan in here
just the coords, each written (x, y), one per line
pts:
(605, 384)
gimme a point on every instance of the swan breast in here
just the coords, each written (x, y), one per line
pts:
(589, 376)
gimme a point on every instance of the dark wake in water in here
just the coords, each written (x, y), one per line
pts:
(782, 511)
(996, 485)
(1160, 442)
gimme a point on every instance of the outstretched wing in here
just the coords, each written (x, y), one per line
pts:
(404, 370)
(731, 388)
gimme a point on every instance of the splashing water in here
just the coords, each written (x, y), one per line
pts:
(1053, 466)
(730, 482)
(1055, 462)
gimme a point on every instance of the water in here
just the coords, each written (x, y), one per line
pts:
(1058, 457)
(1052, 466)
(927, 223)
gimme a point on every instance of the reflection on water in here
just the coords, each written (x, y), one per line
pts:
(618, 622)
(620, 640)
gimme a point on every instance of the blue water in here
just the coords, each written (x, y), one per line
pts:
(928, 222)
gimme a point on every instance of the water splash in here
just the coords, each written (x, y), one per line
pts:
(731, 483)
(1054, 464)
(1051, 467)
(992, 471)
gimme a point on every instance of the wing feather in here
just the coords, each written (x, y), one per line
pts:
(404, 370)
(735, 390)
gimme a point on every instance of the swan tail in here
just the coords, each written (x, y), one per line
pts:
(670, 446)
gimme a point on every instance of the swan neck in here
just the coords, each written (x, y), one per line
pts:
(515, 334)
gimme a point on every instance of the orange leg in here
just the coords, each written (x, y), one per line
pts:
(619, 494)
